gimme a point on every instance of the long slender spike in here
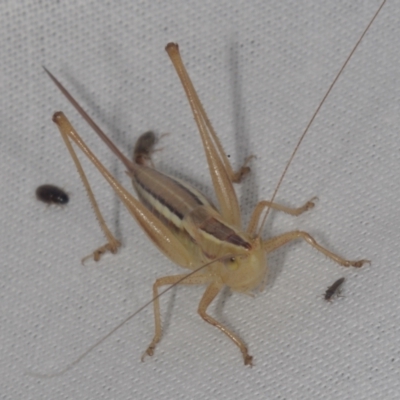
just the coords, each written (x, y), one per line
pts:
(317, 111)
(128, 164)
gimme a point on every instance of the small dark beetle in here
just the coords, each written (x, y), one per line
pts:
(51, 194)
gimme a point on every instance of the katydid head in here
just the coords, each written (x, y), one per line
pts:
(244, 272)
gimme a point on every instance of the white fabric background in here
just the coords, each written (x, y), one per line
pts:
(260, 68)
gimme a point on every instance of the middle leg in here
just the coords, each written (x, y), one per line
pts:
(209, 295)
(281, 240)
(253, 224)
(169, 280)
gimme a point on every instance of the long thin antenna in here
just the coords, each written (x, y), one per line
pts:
(316, 112)
(128, 318)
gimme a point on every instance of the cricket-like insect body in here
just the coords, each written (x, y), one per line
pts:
(209, 240)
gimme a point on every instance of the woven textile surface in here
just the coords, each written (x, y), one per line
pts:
(260, 68)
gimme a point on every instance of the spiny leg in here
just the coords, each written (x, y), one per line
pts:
(168, 280)
(209, 295)
(113, 244)
(157, 232)
(198, 110)
(219, 166)
(288, 210)
(276, 242)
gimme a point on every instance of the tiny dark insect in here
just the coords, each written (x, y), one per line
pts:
(144, 147)
(334, 288)
(51, 194)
